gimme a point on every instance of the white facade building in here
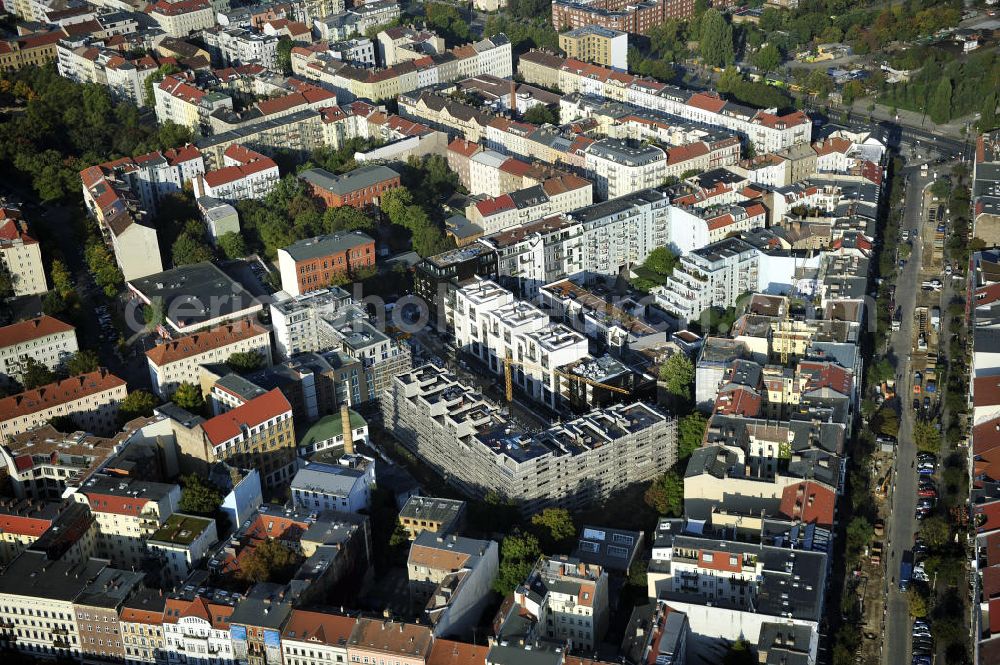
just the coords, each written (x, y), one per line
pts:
(619, 167)
(346, 486)
(713, 276)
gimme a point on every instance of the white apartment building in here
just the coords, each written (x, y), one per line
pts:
(768, 131)
(346, 486)
(316, 638)
(182, 17)
(569, 601)
(196, 629)
(238, 46)
(359, 51)
(493, 325)
(127, 513)
(141, 625)
(47, 340)
(89, 400)
(20, 254)
(177, 98)
(485, 174)
(180, 544)
(179, 360)
(619, 167)
(245, 174)
(124, 77)
(713, 276)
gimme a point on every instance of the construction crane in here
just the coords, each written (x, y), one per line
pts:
(509, 362)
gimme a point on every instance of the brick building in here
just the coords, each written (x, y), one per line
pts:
(314, 263)
(360, 188)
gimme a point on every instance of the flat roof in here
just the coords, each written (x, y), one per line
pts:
(181, 529)
(195, 293)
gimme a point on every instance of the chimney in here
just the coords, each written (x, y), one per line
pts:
(345, 419)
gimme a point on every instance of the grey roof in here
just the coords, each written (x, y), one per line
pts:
(452, 543)
(629, 153)
(326, 478)
(194, 293)
(433, 509)
(110, 588)
(33, 574)
(352, 181)
(313, 248)
(240, 386)
(126, 487)
(265, 606)
(599, 545)
(512, 654)
(713, 460)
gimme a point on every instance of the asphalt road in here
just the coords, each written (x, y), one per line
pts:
(902, 523)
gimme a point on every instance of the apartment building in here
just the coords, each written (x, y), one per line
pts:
(90, 400)
(453, 429)
(96, 610)
(315, 263)
(196, 627)
(316, 638)
(127, 513)
(343, 429)
(568, 599)
(58, 528)
(180, 98)
(488, 56)
(245, 174)
(259, 434)
(177, 361)
(122, 74)
(493, 326)
(635, 17)
(361, 188)
(20, 254)
(597, 44)
(37, 615)
(553, 196)
(239, 46)
(768, 131)
(149, 177)
(36, 49)
(41, 463)
(598, 241)
(426, 513)
(182, 17)
(180, 545)
(713, 276)
(375, 640)
(346, 486)
(140, 621)
(446, 114)
(400, 43)
(450, 578)
(47, 340)
(619, 167)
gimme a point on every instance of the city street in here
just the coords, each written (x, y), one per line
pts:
(901, 524)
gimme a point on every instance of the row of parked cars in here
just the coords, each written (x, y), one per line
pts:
(927, 493)
(923, 643)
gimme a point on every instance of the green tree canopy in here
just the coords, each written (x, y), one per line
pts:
(690, 433)
(233, 245)
(189, 249)
(678, 373)
(268, 561)
(716, 39)
(768, 58)
(244, 362)
(188, 396)
(926, 436)
(82, 362)
(935, 531)
(540, 114)
(555, 526)
(666, 494)
(36, 374)
(939, 106)
(104, 268)
(62, 279)
(518, 554)
(347, 218)
(917, 603)
(198, 496)
(137, 404)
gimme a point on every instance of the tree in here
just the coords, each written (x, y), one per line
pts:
(888, 421)
(678, 373)
(104, 269)
(518, 554)
(690, 434)
(137, 404)
(198, 496)
(739, 654)
(244, 362)
(62, 280)
(926, 436)
(347, 218)
(555, 525)
(36, 374)
(188, 397)
(716, 39)
(284, 54)
(768, 58)
(988, 113)
(857, 535)
(233, 245)
(935, 532)
(917, 604)
(666, 494)
(188, 249)
(939, 106)
(83, 362)
(540, 114)
(269, 560)
(881, 371)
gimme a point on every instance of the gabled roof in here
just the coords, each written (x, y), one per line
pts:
(32, 329)
(59, 392)
(810, 502)
(318, 628)
(254, 413)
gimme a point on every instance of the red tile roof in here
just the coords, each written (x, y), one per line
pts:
(495, 205)
(707, 102)
(809, 502)
(987, 516)
(257, 411)
(986, 436)
(59, 392)
(986, 391)
(318, 628)
(687, 152)
(991, 582)
(192, 345)
(32, 329)
(464, 148)
(449, 652)
(216, 615)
